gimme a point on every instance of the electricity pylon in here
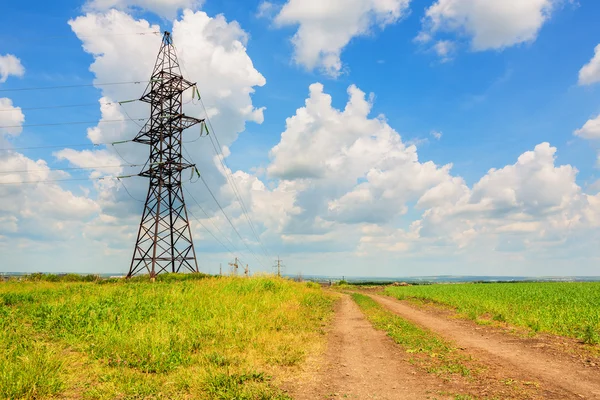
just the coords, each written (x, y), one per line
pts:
(279, 266)
(235, 266)
(246, 271)
(164, 241)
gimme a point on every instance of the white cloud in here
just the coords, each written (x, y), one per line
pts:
(590, 130)
(444, 49)
(266, 9)
(166, 8)
(348, 168)
(10, 116)
(41, 210)
(354, 188)
(436, 134)
(532, 196)
(590, 73)
(326, 27)
(10, 65)
(490, 24)
(212, 52)
(101, 161)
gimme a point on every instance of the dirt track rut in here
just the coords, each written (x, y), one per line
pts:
(506, 351)
(363, 363)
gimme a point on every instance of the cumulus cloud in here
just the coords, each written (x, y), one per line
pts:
(353, 187)
(533, 198)
(10, 65)
(10, 116)
(165, 8)
(590, 130)
(40, 210)
(212, 52)
(347, 167)
(326, 27)
(590, 73)
(490, 24)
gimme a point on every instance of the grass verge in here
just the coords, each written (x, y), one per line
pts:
(429, 351)
(467, 377)
(209, 339)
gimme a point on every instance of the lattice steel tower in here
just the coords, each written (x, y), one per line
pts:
(164, 240)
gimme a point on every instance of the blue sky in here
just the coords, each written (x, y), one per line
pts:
(494, 80)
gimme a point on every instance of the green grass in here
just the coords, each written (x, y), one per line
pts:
(433, 354)
(429, 351)
(175, 338)
(568, 309)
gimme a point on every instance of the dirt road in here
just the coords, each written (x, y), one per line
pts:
(555, 372)
(363, 363)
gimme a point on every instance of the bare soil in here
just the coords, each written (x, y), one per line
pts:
(363, 363)
(559, 373)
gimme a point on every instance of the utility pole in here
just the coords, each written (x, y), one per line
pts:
(235, 266)
(246, 271)
(279, 266)
(220, 270)
(164, 241)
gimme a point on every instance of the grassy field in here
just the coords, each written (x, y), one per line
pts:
(568, 309)
(430, 351)
(211, 338)
(435, 355)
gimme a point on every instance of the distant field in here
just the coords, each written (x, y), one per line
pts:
(569, 309)
(212, 338)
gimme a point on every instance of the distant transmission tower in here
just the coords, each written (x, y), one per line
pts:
(279, 266)
(235, 266)
(164, 241)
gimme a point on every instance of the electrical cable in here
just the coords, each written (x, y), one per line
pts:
(58, 180)
(71, 123)
(208, 230)
(125, 187)
(208, 217)
(56, 146)
(51, 107)
(230, 179)
(129, 116)
(229, 220)
(72, 86)
(64, 106)
(232, 183)
(69, 168)
(224, 213)
(45, 37)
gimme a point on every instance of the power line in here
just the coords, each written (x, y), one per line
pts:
(229, 220)
(73, 123)
(58, 180)
(208, 217)
(57, 146)
(49, 107)
(73, 86)
(59, 106)
(208, 230)
(69, 168)
(45, 37)
(125, 187)
(230, 179)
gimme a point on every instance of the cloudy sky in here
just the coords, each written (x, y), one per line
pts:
(365, 137)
